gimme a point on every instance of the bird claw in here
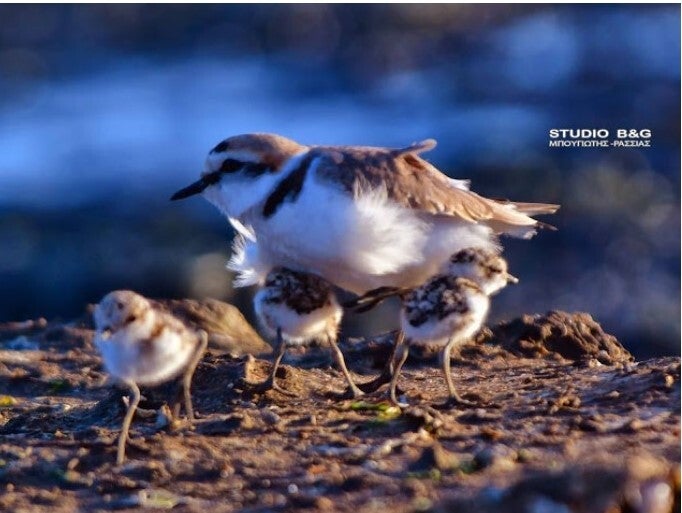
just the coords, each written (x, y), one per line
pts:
(266, 386)
(374, 385)
(279, 389)
(353, 393)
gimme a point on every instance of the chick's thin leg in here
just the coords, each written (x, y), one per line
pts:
(401, 353)
(454, 399)
(341, 362)
(271, 382)
(386, 372)
(125, 427)
(189, 374)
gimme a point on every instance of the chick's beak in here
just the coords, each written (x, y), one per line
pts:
(512, 279)
(192, 189)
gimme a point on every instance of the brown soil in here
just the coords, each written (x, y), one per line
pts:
(566, 421)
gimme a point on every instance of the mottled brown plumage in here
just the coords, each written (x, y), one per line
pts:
(438, 298)
(301, 292)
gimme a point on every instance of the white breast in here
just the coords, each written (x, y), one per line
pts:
(364, 243)
(124, 359)
(297, 328)
(461, 327)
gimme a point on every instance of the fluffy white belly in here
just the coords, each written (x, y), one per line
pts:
(442, 331)
(297, 328)
(363, 244)
(124, 359)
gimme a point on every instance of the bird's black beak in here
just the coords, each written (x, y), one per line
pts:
(195, 188)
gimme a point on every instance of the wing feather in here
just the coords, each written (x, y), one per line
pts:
(414, 183)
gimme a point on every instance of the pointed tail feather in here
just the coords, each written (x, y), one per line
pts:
(417, 148)
(531, 209)
(372, 298)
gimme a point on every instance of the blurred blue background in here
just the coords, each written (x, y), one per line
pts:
(105, 110)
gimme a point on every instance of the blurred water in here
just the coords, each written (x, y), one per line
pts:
(96, 132)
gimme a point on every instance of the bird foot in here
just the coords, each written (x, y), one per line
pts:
(456, 402)
(352, 393)
(266, 386)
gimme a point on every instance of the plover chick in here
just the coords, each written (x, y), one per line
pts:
(141, 345)
(297, 308)
(486, 268)
(450, 309)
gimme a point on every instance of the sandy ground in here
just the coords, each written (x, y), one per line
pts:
(565, 421)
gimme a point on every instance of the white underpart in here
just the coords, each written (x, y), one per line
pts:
(123, 358)
(521, 232)
(241, 229)
(361, 243)
(297, 328)
(526, 231)
(442, 331)
(247, 262)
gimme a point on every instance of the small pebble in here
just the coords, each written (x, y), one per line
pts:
(324, 503)
(270, 417)
(498, 455)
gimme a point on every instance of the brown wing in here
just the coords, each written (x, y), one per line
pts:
(411, 181)
(227, 328)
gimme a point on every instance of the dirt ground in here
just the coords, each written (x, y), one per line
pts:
(565, 422)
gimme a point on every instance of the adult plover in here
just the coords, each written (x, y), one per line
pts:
(296, 308)
(450, 309)
(141, 345)
(360, 217)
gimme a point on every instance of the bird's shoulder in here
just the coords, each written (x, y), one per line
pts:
(406, 178)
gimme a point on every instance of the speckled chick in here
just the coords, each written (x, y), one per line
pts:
(141, 345)
(296, 308)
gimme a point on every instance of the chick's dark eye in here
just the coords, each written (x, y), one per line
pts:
(119, 306)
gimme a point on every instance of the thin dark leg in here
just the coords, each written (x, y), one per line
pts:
(271, 382)
(400, 357)
(386, 372)
(189, 373)
(125, 427)
(454, 399)
(341, 362)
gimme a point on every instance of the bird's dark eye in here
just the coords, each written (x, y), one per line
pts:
(119, 305)
(231, 165)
